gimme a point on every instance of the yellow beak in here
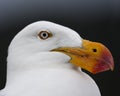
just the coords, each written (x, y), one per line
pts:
(93, 57)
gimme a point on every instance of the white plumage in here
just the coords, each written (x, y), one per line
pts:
(33, 70)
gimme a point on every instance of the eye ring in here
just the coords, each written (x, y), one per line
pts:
(44, 35)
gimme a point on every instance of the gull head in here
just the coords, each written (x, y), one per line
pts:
(43, 41)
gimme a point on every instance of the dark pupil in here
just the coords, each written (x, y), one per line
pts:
(94, 50)
(44, 34)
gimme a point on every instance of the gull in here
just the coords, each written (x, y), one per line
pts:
(46, 59)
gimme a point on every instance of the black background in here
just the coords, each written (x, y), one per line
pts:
(96, 20)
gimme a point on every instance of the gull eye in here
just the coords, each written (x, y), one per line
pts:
(44, 35)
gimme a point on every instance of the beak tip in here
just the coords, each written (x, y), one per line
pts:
(108, 58)
(104, 65)
(112, 67)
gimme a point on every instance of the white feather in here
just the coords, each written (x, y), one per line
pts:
(33, 70)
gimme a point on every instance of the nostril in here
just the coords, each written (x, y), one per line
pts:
(94, 50)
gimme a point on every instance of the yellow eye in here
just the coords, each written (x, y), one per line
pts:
(44, 35)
